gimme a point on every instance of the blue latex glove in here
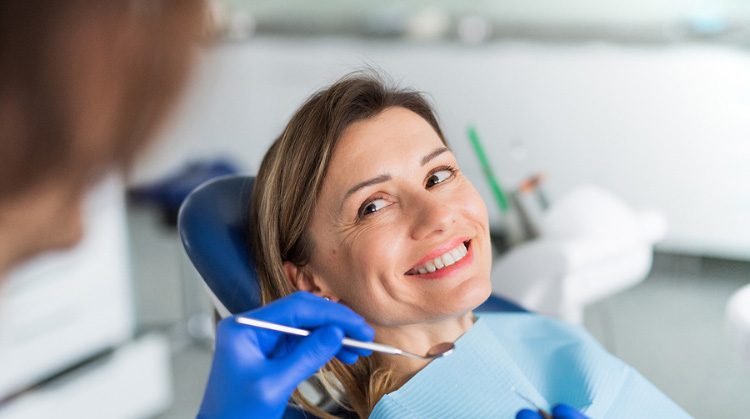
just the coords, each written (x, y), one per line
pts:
(560, 411)
(255, 371)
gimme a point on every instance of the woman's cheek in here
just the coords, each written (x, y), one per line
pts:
(378, 248)
(475, 204)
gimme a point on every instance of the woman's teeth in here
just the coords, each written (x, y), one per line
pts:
(446, 259)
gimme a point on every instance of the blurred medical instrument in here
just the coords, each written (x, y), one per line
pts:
(497, 190)
(534, 184)
(519, 216)
(511, 231)
(437, 351)
(531, 204)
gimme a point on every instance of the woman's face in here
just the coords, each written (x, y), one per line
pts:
(393, 208)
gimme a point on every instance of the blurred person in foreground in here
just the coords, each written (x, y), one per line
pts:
(84, 86)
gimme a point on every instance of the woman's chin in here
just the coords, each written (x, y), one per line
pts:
(466, 297)
(477, 294)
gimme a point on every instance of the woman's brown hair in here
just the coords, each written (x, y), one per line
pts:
(284, 199)
(84, 83)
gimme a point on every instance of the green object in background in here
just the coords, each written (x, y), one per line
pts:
(497, 190)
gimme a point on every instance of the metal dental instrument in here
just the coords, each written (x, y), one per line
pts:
(539, 410)
(438, 351)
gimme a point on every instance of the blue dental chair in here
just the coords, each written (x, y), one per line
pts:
(213, 225)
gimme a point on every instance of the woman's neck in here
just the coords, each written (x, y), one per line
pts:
(419, 338)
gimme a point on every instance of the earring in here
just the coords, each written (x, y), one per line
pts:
(327, 298)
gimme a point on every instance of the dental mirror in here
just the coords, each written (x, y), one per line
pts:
(438, 351)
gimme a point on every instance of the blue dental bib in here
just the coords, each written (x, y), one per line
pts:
(544, 360)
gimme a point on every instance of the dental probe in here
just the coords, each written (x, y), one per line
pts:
(438, 351)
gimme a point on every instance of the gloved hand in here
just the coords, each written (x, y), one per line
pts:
(560, 411)
(255, 371)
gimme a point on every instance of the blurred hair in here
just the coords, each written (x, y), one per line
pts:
(284, 198)
(84, 83)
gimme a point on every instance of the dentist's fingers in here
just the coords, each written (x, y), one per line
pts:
(347, 357)
(310, 354)
(563, 411)
(242, 340)
(528, 414)
(306, 310)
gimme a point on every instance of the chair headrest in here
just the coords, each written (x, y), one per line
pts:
(213, 227)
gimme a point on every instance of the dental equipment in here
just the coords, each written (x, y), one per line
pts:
(497, 190)
(437, 351)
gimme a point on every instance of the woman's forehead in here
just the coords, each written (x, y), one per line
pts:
(387, 141)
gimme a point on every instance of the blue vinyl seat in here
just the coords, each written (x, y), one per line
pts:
(213, 226)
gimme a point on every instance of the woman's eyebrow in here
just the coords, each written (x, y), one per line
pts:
(369, 182)
(426, 159)
(385, 177)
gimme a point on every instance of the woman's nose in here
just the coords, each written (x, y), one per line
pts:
(431, 217)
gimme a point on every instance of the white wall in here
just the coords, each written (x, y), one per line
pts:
(546, 12)
(662, 126)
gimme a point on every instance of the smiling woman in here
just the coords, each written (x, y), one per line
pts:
(361, 201)
(375, 248)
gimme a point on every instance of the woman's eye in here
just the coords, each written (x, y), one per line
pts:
(439, 177)
(372, 206)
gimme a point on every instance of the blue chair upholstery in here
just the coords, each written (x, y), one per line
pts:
(213, 226)
(168, 192)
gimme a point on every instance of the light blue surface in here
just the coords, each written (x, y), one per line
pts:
(546, 361)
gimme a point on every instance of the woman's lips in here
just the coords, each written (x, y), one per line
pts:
(440, 250)
(447, 270)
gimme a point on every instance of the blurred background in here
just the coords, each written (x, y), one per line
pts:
(617, 132)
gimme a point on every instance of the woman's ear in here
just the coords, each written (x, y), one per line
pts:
(299, 279)
(303, 280)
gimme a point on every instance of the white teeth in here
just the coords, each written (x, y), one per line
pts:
(447, 259)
